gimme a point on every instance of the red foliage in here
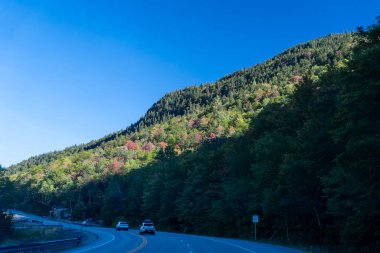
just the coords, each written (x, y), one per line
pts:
(116, 164)
(198, 138)
(131, 145)
(212, 136)
(148, 146)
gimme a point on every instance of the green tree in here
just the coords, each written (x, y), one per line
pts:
(353, 186)
(6, 225)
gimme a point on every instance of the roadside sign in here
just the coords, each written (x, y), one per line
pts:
(255, 220)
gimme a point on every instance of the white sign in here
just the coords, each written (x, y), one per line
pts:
(255, 218)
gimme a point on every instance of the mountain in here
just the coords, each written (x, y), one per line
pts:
(294, 139)
(281, 71)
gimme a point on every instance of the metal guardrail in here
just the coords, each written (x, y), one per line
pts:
(33, 226)
(49, 246)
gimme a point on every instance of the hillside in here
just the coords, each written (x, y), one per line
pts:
(280, 72)
(293, 139)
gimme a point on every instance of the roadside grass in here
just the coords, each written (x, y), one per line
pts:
(40, 234)
(29, 235)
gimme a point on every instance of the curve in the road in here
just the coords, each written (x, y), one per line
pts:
(142, 245)
(100, 245)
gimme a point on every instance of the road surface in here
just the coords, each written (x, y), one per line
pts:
(112, 241)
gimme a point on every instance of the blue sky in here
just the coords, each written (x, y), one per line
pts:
(74, 71)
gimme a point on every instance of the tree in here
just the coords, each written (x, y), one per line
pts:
(131, 145)
(353, 186)
(6, 225)
(148, 146)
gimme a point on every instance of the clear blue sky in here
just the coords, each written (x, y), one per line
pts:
(73, 71)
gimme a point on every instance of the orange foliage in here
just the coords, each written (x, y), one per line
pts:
(163, 145)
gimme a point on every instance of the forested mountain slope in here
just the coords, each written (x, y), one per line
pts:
(295, 140)
(281, 72)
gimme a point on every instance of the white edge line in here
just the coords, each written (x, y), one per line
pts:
(113, 238)
(231, 245)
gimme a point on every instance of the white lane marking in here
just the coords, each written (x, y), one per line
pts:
(237, 246)
(113, 238)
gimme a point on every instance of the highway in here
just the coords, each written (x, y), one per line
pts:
(109, 240)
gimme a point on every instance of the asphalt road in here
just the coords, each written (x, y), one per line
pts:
(110, 240)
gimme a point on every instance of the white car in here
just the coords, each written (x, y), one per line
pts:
(147, 228)
(88, 222)
(122, 225)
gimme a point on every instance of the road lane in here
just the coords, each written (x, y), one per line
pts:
(109, 240)
(181, 243)
(112, 241)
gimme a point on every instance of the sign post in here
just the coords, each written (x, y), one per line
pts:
(255, 220)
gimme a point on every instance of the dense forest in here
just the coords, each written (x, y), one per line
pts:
(295, 139)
